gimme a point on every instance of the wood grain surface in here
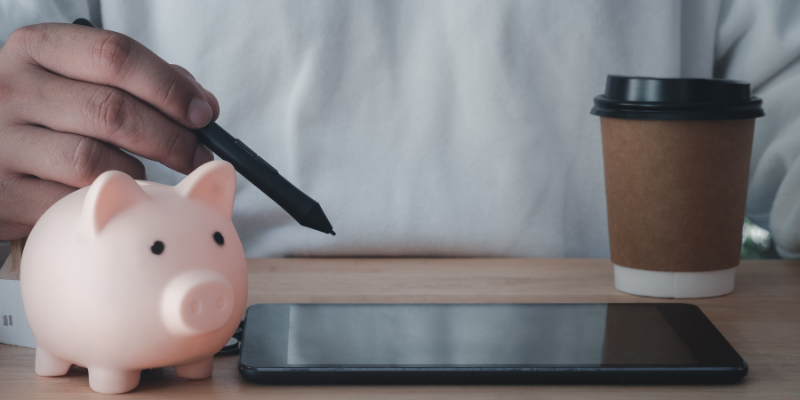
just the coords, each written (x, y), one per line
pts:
(761, 319)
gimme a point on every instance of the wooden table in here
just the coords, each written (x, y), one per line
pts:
(761, 320)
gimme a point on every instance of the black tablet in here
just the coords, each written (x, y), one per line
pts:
(484, 343)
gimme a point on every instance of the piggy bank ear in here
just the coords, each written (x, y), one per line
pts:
(111, 193)
(213, 183)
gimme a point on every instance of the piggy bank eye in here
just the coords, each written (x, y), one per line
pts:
(157, 247)
(218, 238)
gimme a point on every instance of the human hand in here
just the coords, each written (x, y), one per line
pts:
(71, 99)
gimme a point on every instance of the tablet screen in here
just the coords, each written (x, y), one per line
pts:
(480, 334)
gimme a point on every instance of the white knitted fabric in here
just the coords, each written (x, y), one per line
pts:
(459, 128)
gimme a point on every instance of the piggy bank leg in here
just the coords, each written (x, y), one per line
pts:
(49, 365)
(196, 370)
(111, 381)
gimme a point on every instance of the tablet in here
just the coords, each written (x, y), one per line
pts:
(484, 343)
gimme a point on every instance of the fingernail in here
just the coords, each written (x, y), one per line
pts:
(200, 112)
(213, 100)
(202, 155)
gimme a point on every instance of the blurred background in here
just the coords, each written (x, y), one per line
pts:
(756, 243)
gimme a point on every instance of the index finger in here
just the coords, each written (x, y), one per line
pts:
(110, 58)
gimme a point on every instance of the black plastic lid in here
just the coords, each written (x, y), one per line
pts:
(634, 97)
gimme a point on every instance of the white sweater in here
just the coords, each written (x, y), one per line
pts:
(457, 128)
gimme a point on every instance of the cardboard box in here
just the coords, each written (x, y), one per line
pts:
(14, 329)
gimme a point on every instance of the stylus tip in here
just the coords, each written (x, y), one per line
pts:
(333, 233)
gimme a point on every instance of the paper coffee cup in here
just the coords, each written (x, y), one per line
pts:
(677, 159)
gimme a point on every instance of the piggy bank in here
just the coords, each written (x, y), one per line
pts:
(128, 275)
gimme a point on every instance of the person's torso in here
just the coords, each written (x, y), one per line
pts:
(456, 128)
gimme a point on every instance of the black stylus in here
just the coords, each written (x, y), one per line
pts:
(301, 207)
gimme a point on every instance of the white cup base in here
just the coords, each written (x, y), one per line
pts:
(674, 285)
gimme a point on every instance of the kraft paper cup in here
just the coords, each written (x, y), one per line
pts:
(677, 159)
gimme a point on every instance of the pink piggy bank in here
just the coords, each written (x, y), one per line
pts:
(127, 275)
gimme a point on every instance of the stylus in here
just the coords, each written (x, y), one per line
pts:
(302, 208)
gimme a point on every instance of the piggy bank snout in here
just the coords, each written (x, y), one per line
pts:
(197, 302)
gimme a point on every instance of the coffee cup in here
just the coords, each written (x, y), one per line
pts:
(676, 156)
